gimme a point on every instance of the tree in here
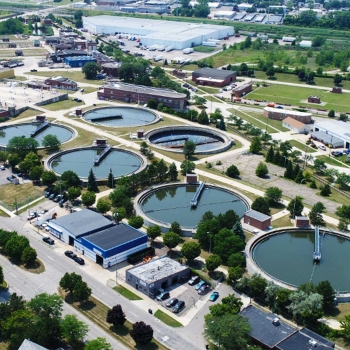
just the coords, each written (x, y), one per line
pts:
(261, 205)
(88, 198)
(171, 240)
(325, 289)
(141, 332)
(35, 172)
(230, 331)
(191, 250)
(296, 206)
(212, 262)
(203, 118)
(30, 160)
(235, 273)
(236, 259)
(273, 195)
(70, 179)
(110, 180)
(261, 170)
(91, 69)
(257, 286)
(343, 180)
(22, 146)
(255, 146)
(73, 193)
(162, 170)
(15, 246)
(315, 214)
(173, 173)
(92, 185)
(189, 148)
(73, 330)
(337, 79)
(175, 227)
(28, 255)
(69, 281)
(103, 205)
(331, 113)
(153, 232)
(13, 160)
(227, 243)
(81, 292)
(320, 165)
(116, 316)
(1, 275)
(98, 344)
(51, 142)
(325, 190)
(136, 221)
(187, 167)
(270, 72)
(48, 177)
(199, 100)
(232, 171)
(343, 117)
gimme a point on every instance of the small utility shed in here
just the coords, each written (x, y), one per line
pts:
(112, 245)
(264, 331)
(256, 219)
(295, 125)
(159, 273)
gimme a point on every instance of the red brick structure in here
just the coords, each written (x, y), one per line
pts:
(141, 95)
(242, 90)
(337, 90)
(4, 113)
(47, 21)
(192, 178)
(111, 68)
(38, 84)
(61, 83)
(301, 221)
(40, 118)
(257, 219)
(314, 99)
(91, 45)
(179, 73)
(280, 114)
(213, 77)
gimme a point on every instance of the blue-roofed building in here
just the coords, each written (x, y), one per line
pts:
(78, 61)
(99, 239)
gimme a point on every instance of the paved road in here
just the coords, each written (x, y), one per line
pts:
(56, 266)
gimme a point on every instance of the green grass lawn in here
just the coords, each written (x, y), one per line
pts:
(331, 160)
(284, 221)
(167, 319)
(5, 215)
(294, 95)
(301, 146)
(77, 76)
(126, 293)
(61, 105)
(204, 49)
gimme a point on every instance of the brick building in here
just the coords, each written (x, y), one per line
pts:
(4, 113)
(213, 77)
(257, 219)
(280, 114)
(111, 68)
(337, 90)
(314, 99)
(301, 221)
(101, 58)
(242, 90)
(179, 73)
(61, 83)
(141, 95)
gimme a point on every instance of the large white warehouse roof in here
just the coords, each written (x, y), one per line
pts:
(180, 35)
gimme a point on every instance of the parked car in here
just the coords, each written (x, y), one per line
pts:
(337, 153)
(11, 177)
(203, 289)
(62, 201)
(279, 107)
(214, 296)
(48, 240)
(42, 212)
(32, 215)
(80, 261)
(178, 307)
(2, 167)
(346, 151)
(163, 296)
(47, 192)
(33, 70)
(58, 198)
(19, 174)
(70, 254)
(199, 284)
(322, 147)
(172, 302)
(52, 195)
(81, 90)
(193, 280)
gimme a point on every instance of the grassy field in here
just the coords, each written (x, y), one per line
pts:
(61, 105)
(284, 221)
(96, 312)
(167, 319)
(331, 160)
(301, 146)
(3, 214)
(294, 95)
(77, 76)
(24, 193)
(204, 48)
(126, 293)
(27, 113)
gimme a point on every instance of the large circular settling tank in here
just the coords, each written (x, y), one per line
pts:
(167, 204)
(81, 160)
(121, 116)
(288, 256)
(173, 139)
(63, 133)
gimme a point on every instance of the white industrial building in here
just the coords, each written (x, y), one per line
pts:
(305, 43)
(244, 6)
(179, 35)
(224, 15)
(332, 132)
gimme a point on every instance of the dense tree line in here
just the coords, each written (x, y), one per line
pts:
(11, 26)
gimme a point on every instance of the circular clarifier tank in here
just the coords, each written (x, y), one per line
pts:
(165, 204)
(100, 160)
(121, 116)
(173, 138)
(36, 130)
(287, 256)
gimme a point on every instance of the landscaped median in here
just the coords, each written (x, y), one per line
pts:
(162, 316)
(96, 311)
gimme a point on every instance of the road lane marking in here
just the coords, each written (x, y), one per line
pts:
(13, 274)
(50, 257)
